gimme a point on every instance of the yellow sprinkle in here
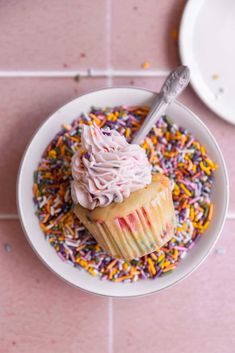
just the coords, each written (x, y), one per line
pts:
(205, 169)
(84, 264)
(153, 256)
(128, 131)
(145, 145)
(96, 121)
(182, 228)
(192, 213)
(206, 225)
(91, 271)
(196, 144)
(125, 266)
(145, 65)
(187, 192)
(110, 116)
(211, 164)
(167, 135)
(52, 154)
(154, 140)
(166, 263)
(97, 247)
(161, 257)
(194, 168)
(197, 225)
(176, 189)
(176, 253)
(151, 266)
(203, 151)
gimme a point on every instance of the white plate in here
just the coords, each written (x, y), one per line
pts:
(207, 46)
(80, 278)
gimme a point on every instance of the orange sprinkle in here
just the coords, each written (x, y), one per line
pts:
(113, 263)
(48, 206)
(210, 212)
(120, 279)
(174, 33)
(145, 65)
(80, 247)
(59, 141)
(44, 228)
(35, 189)
(196, 175)
(151, 157)
(168, 268)
(112, 273)
(46, 218)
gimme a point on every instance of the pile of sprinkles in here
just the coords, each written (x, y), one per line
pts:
(172, 150)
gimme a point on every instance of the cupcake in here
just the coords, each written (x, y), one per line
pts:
(128, 210)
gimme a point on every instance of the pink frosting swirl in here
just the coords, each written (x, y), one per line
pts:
(109, 169)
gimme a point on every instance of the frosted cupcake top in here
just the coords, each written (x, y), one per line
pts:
(107, 168)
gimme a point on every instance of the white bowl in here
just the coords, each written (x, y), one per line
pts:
(79, 278)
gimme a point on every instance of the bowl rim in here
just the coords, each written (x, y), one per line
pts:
(225, 209)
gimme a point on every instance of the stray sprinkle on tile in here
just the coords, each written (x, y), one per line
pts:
(215, 76)
(220, 251)
(174, 33)
(7, 247)
(77, 78)
(145, 65)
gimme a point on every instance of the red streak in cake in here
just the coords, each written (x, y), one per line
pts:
(122, 222)
(132, 219)
(99, 221)
(146, 217)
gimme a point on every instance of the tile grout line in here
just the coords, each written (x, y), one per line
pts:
(109, 73)
(110, 327)
(8, 216)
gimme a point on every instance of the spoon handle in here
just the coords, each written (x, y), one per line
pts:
(174, 84)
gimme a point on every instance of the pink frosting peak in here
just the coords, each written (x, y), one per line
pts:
(107, 168)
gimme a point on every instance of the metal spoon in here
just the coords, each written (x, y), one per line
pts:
(174, 84)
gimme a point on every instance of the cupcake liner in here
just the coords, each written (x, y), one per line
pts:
(138, 233)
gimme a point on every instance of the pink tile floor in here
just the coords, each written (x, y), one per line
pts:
(38, 311)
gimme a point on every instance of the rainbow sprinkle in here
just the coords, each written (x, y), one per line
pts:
(171, 150)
